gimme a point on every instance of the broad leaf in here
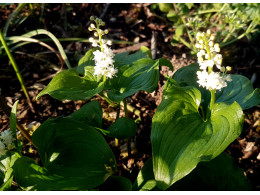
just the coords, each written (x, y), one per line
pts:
(68, 85)
(122, 128)
(142, 75)
(219, 174)
(90, 114)
(71, 149)
(31, 176)
(116, 183)
(239, 89)
(86, 60)
(181, 138)
(145, 180)
(125, 58)
(6, 170)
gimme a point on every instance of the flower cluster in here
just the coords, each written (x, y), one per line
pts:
(6, 141)
(104, 63)
(208, 58)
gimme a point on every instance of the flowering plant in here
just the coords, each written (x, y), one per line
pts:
(201, 113)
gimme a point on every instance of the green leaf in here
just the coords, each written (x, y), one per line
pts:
(145, 180)
(219, 174)
(67, 85)
(116, 183)
(6, 164)
(90, 114)
(165, 7)
(86, 60)
(181, 138)
(142, 75)
(239, 89)
(173, 16)
(125, 58)
(71, 149)
(31, 176)
(179, 31)
(122, 128)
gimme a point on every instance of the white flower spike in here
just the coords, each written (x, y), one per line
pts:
(104, 63)
(207, 78)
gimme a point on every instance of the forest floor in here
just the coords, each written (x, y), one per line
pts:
(126, 22)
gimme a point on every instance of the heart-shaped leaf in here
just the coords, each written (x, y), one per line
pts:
(181, 138)
(31, 176)
(219, 174)
(72, 151)
(145, 180)
(239, 89)
(68, 85)
(122, 128)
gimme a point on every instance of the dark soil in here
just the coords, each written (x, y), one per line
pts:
(126, 22)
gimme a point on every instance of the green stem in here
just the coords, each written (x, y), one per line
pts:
(16, 69)
(125, 107)
(108, 100)
(185, 43)
(212, 98)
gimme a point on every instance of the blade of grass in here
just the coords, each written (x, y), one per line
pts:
(16, 69)
(12, 16)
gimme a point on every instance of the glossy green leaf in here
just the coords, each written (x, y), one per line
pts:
(122, 128)
(145, 180)
(67, 85)
(116, 183)
(90, 114)
(179, 31)
(239, 89)
(142, 75)
(31, 176)
(6, 170)
(86, 60)
(71, 149)
(125, 58)
(165, 7)
(219, 174)
(181, 138)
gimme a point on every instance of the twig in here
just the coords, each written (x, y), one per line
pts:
(154, 44)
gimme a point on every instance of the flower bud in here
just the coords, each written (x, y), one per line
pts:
(197, 45)
(96, 34)
(208, 32)
(90, 29)
(109, 42)
(212, 37)
(211, 43)
(229, 68)
(201, 41)
(92, 18)
(106, 31)
(103, 24)
(222, 69)
(92, 26)
(91, 39)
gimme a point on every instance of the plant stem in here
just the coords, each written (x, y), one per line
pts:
(117, 116)
(212, 98)
(125, 107)
(108, 100)
(16, 69)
